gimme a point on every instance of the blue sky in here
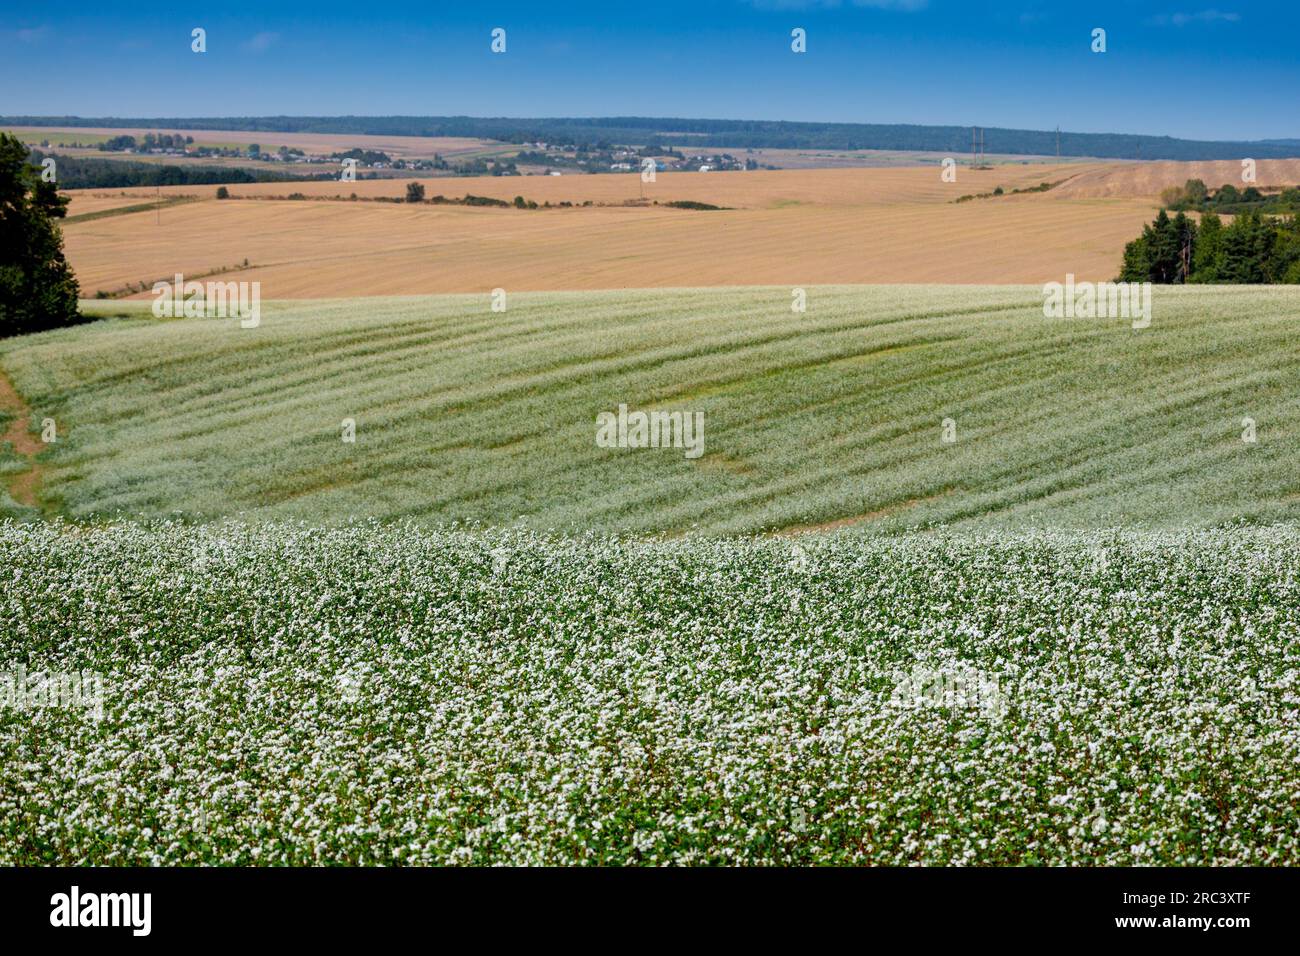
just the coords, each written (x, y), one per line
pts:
(1181, 69)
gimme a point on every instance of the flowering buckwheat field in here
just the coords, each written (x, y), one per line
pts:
(386, 694)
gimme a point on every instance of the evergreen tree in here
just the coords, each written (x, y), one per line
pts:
(1137, 259)
(37, 288)
(1240, 261)
(1209, 243)
(1185, 229)
(1287, 251)
(1163, 245)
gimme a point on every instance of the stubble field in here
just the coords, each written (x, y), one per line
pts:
(796, 227)
(799, 227)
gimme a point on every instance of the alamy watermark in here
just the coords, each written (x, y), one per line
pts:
(41, 690)
(75, 908)
(1098, 300)
(954, 687)
(654, 429)
(212, 300)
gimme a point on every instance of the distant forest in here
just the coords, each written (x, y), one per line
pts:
(736, 134)
(77, 173)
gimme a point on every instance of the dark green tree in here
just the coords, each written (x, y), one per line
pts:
(37, 288)
(415, 192)
(1209, 244)
(1246, 244)
(1185, 229)
(1226, 195)
(1286, 251)
(1164, 245)
(1137, 259)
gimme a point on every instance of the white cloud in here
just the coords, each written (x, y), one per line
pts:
(905, 5)
(261, 42)
(1201, 16)
(29, 34)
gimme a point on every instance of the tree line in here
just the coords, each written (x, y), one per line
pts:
(1195, 196)
(751, 134)
(75, 172)
(1251, 249)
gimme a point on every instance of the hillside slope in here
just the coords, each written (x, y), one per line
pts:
(826, 419)
(817, 226)
(1147, 180)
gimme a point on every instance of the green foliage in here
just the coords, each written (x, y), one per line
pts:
(365, 157)
(384, 695)
(999, 191)
(1137, 259)
(691, 204)
(415, 192)
(1253, 249)
(37, 288)
(1208, 248)
(78, 173)
(1228, 199)
(223, 192)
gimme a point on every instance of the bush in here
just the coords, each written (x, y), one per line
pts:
(691, 204)
(1172, 197)
(415, 192)
(223, 192)
(37, 288)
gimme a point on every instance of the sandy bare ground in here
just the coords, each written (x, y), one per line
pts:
(23, 485)
(786, 227)
(761, 189)
(1134, 180)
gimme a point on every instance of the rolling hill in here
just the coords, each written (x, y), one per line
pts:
(826, 419)
(732, 133)
(825, 226)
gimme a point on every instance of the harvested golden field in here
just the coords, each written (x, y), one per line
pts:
(788, 227)
(1145, 180)
(89, 201)
(761, 189)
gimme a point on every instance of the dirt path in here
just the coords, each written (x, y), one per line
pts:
(858, 519)
(22, 486)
